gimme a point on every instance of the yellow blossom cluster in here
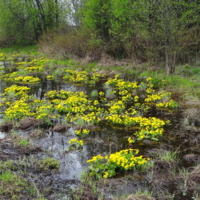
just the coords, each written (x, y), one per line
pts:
(82, 77)
(130, 140)
(40, 62)
(7, 57)
(82, 132)
(170, 104)
(50, 77)
(161, 100)
(116, 107)
(153, 98)
(75, 76)
(72, 104)
(18, 110)
(123, 160)
(62, 94)
(77, 142)
(34, 69)
(42, 112)
(121, 84)
(12, 94)
(9, 77)
(27, 80)
(95, 158)
(16, 90)
(148, 127)
(3, 56)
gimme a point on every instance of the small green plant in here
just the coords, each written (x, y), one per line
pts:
(147, 166)
(76, 143)
(169, 156)
(49, 163)
(9, 164)
(11, 185)
(80, 121)
(19, 140)
(145, 192)
(110, 93)
(24, 142)
(94, 93)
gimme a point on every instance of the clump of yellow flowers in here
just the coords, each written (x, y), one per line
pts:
(75, 77)
(27, 80)
(16, 90)
(108, 165)
(75, 142)
(82, 132)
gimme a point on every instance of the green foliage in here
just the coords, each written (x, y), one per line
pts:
(94, 93)
(25, 21)
(6, 165)
(49, 163)
(20, 141)
(11, 185)
(169, 156)
(24, 142)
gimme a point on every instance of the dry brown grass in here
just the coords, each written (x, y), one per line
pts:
(72, 42)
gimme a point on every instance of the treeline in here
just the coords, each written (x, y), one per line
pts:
(159, 32)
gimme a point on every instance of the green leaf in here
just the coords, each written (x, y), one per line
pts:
(156, 139)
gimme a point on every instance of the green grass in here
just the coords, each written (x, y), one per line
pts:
(24, 142)
(181, 83)
(49, 163)
(20, 141)
(169, 156)
(12, 185)
(94, 93)
(29, 49)
(9, 164)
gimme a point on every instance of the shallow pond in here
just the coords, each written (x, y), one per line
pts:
(165, 180)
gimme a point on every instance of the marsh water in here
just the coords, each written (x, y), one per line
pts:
(165, 180)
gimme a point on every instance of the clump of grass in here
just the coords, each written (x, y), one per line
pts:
(87, 189)
(20, 141)
(11, 185)
(94, 93)
(110, 94)
(24, 142)
(177, 81)
(9, 164)
(139, 195)
(169, 156)
(167, 159)
(49, 163)
(147, 166)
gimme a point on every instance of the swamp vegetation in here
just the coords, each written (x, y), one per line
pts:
(74, 131)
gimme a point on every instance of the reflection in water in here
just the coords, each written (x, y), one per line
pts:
(72, 162)
(2, 135)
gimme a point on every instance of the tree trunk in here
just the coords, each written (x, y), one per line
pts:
(170, 60)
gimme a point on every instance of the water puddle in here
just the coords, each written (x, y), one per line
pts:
(2, 135)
